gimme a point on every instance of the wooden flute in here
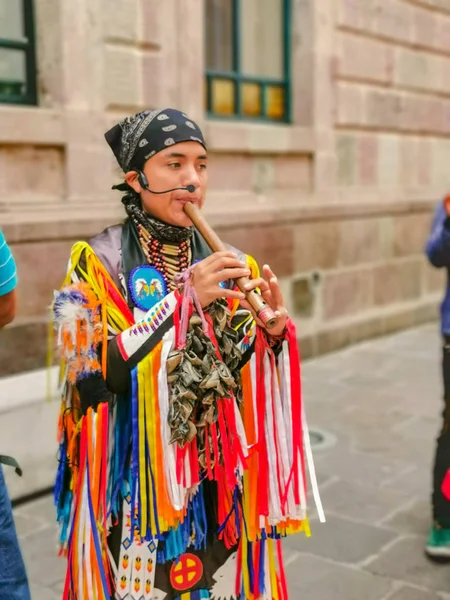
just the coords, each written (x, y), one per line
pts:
(263, 311)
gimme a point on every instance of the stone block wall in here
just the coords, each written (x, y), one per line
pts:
(393, 94)
(391, 143)
(338, 202)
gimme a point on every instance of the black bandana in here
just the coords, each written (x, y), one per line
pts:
(136, 139)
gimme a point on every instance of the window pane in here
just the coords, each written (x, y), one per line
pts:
(261, 23)
(276, 103)
(222, 97)
(11, 19)
(251, 99)
(12, 65)
(219, 35)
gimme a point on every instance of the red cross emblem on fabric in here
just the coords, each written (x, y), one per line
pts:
(186, 572)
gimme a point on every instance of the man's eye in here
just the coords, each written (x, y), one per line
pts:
(174, 165)
(202, 167)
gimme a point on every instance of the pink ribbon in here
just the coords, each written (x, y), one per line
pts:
(184, 281)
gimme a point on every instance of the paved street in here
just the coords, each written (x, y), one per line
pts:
(377, 404)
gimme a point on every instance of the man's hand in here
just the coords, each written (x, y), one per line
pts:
(7, 308)
(271, 293)
(447, 205)
(207, 275)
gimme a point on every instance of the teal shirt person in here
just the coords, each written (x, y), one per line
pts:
(8, 272)
(13, 576)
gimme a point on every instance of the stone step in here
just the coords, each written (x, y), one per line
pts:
(28, 428)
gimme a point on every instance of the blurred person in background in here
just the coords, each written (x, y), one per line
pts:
(13, 577)
(8, 282)
(438, 252)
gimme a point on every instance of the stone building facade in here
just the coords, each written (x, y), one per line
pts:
(338, 201)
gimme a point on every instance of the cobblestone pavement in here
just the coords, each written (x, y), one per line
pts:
(378, 404)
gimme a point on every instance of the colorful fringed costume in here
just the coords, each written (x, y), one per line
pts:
(238, 477)
(184, 449)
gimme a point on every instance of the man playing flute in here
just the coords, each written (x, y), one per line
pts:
(184, 450)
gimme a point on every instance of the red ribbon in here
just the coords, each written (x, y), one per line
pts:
(296, 401)
(263, 478)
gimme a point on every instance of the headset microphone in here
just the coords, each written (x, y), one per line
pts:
(144, 183)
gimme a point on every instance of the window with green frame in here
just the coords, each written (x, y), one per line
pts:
(17, 53)
(248, 59)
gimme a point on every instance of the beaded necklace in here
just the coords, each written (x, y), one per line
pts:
(169, 259)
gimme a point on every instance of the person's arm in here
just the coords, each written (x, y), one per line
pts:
(438, 245)
(124, 350)
(7, 308)
(8, 282)
(131, 346)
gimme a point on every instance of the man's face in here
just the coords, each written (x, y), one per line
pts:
(180, 165)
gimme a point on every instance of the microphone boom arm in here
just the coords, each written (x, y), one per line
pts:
(189, 188)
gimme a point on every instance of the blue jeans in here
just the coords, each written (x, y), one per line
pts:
(13, 577)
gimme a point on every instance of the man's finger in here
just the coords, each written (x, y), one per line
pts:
(209, 260)
(277, 296)
(233, 273)
(268, 272)
(226, 293)
(447, 204)
(259, 282)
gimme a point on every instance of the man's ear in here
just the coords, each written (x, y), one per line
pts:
(132, 179)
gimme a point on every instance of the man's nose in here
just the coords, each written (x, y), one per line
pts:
(192, 178)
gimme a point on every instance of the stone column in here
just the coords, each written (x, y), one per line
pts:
(87, 156)
(302, 63)
(324, 95)
(159, 27)
(191, 67)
